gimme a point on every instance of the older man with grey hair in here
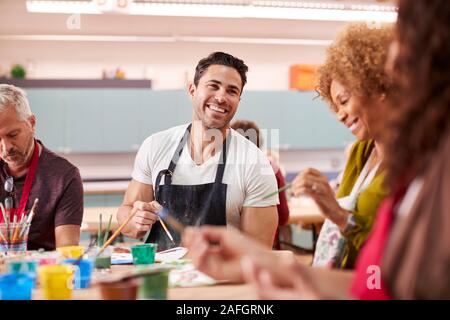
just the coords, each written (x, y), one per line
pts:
(29, 171)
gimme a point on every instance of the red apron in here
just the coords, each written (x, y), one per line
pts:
(26, 188)
(368, 265)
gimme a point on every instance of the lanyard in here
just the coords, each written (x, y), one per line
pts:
(28, 181)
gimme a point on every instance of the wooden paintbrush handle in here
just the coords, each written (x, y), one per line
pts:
(117, 232)
(165, 229)
(15, 233)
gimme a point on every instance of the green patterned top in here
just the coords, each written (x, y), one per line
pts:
(367, 202)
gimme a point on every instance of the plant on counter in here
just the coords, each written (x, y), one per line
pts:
(18, 71)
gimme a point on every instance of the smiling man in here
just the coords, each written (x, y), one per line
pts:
(203, 172)
(28, 170)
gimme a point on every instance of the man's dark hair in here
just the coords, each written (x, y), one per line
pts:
(223, 59)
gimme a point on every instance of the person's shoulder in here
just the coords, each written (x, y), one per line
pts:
(363, 147)
(359, 154)
(57, 163)
(174, 133)
(360, 151)
(247, 153)
(243, 144)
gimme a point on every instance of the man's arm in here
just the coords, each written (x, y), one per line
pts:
(260, 223)
(67, 235)
(69, 212)
(137, 197)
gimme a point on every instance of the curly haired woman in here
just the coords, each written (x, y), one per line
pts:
(354, 83)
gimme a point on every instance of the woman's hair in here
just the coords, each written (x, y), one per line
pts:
(356, 59)
(420, 115)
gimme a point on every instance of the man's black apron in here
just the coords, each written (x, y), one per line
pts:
(189, 204)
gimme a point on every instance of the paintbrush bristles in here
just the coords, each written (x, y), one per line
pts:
(32, 211)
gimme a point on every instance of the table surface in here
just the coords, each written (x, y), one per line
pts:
(219, 291)
(304, 211)
(223, 291)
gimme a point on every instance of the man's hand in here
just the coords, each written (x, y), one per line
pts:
(145, 217)
(313, 183)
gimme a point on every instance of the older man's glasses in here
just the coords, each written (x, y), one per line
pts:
(9, 187)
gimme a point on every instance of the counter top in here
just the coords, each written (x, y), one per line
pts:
(105, 187)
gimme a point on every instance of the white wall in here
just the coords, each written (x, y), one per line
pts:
(168, 64)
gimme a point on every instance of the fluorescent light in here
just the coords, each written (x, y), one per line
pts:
(165, 39)
(248, 9)
(263, 41)
(233, 11)
(84, 7)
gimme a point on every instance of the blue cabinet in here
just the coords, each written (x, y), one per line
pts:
(103, 200)
(294, 119)
(308, 123)
(88, 120)
(49, 107)
(84, 116)
(118, 120)
(161, 110)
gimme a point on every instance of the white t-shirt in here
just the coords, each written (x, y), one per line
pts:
(248, 173)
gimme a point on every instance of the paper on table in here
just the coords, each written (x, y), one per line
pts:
(171, 254)
(121, 258)
(188, 276)
(183, 274)
(163, 256)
